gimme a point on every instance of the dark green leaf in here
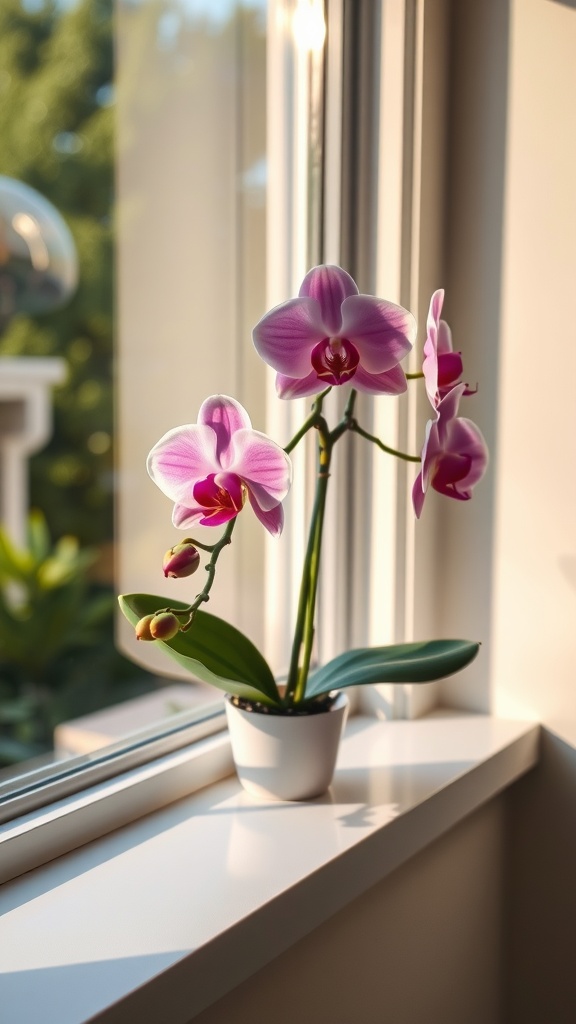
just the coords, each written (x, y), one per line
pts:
(399, 663)
(212, 650)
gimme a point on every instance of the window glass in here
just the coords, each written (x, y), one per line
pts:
(157, 172)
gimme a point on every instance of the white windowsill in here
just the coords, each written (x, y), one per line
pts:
(160, 918)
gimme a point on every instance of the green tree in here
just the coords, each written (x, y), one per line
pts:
(56, 134)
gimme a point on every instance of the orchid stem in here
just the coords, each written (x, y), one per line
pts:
(357, 429)
(210, 567)
(312, 421)
(304, 631)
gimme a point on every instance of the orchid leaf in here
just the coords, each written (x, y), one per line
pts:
(211, 649)
(399, 663)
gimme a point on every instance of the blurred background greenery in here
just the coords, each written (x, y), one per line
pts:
(57, 653)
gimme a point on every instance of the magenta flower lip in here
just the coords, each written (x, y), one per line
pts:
(209, 468)
(332, 335)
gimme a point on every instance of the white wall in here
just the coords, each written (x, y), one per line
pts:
(510, 298)
(534, 611)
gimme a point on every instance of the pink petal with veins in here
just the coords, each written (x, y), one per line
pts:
(225, 416)
(391, 382)
(382, 332)
(285, 337)
(272, 519)
(184, 516)
(298, 387)
(183, 454)
(263, 467)
(329, 285)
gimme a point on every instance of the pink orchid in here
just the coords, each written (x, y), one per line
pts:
(210, 467)
(454, 456)
(332, 335)
(442, 366)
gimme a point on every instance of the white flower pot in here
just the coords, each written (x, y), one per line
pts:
(286, 757)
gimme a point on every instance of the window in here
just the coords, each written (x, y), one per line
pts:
(209, 178)
(192, 218)
(189, 109)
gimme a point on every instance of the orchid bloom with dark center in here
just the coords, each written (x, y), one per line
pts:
(442, 367)
(222, 495)
(454, 456)
(335, 360)
(331, 335)
(209, 468)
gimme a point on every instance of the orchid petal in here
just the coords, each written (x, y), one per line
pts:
(431, 449)
(449, 369)
(298, 387)
(430, 363)
(225, 416)
(272, 519)
(382, 332)
(391, 382)
(444, 338)
(286, 335)
(182, 455)
(447, 409)
(465, 438)
(435, 309)
(418, 495)
(329, 285)
(263, 466)
(454, 455)
(451, 469)
(183, 516)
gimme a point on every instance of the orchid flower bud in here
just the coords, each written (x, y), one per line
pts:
(143, 628)
(181, 560)
(164, 626)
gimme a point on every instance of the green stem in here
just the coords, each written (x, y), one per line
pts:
(414, 376)
(357, 429)
(210, 567)
(308, 633)
(198, 544)
(312, 421)
(347, 421)
(304, 629)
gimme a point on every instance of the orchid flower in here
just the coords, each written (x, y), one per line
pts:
(442, 367)
(331, 335)
(210, 467)
(454, 456)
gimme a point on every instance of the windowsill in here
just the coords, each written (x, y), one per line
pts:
(160, 918)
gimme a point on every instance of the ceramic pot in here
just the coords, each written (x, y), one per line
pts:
(286, 757)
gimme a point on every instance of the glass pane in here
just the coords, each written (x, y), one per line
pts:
(159, 176)
(192, 274)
